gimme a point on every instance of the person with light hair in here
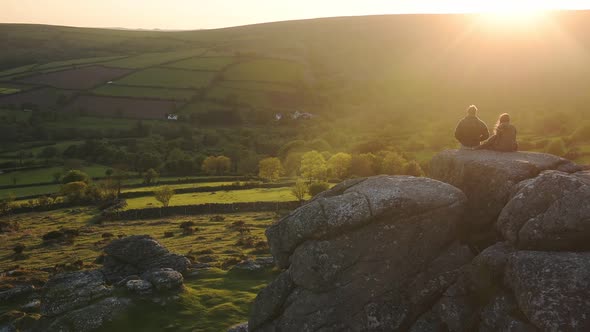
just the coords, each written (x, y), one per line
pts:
(504, 138)
(471, 131)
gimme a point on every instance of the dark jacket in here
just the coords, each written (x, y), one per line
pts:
(471, 130)
(503, 140)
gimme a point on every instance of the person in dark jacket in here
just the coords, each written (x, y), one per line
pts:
(504, 138)
(471, 130)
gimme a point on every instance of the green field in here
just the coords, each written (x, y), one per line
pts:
(203, 63)
(45, 175)
(180, 186)
(17, 70)
(143, 92)
(168, 78)
(8, 91)
(74, 62)
(30, 191)
(235, 196)
(266, 70)
(153, 59)
(248, 97)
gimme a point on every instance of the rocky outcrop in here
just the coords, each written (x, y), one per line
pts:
(488, 179)
(135, 255)
(86, 300)
(366, 255)
(386, 253)
(549, 212)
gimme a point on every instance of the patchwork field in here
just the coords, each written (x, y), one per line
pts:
(168, 78)
(122, 107)
(153, 59)
(143, 92)
(44, 175)
(43, 98)
(203, 63)
(77, 79)
(73, 63)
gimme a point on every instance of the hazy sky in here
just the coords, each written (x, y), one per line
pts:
(201, 14)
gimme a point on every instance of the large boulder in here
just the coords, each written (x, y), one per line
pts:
(370, 254)
(135, 255)
(68, 291)
(549, 212)
(92, 317)
(488, 178)
(552, 288)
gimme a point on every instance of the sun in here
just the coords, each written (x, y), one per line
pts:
(511, 13)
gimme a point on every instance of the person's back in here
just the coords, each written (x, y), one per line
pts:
(505, 138)
(471, 130)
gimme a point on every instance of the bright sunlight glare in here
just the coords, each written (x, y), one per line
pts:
(521, 12)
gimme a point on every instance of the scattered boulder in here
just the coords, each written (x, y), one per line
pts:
(239, 328)
(86, 300)
(549, 213)
(91, 317)
(69, 291)
(164, 279)
(139, 286)
(359, 256)
(138, 254)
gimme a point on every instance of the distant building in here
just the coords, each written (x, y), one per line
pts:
(302, 116)
(173, 117)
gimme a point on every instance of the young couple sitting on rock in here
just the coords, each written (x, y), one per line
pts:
(473, 133)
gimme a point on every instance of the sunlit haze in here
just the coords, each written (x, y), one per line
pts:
(201, 14)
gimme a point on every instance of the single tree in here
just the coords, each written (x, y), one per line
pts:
(270, 169)
(163, 195)
(299, 190)
(339, 165)
(313, 166)
(150, 176)
(56, 176)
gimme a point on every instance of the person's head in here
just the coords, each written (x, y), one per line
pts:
(472, 110)
(504, 118)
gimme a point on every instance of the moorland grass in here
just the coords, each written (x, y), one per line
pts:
(267, 70)
(213, 300)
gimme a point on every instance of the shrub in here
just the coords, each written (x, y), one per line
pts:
(19, 248)
(582, 134)
(108, 235)
(414, 169)
(318, 187)
(75, 176)
(187, 224)
(217, 218)
(168, 234)
(64, 236)
(556, 147)
(188, 231)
